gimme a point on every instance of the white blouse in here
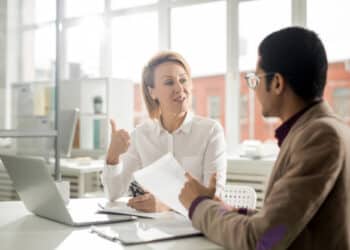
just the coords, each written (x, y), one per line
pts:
(198, 145)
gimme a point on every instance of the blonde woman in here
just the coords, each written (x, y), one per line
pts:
(196, 142)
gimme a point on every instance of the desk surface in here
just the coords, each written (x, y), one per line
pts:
(19, 229)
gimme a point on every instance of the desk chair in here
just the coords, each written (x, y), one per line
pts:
(240, 196)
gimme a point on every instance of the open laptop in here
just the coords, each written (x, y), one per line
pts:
(36, 188)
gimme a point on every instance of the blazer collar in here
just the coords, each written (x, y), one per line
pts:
(322, 109)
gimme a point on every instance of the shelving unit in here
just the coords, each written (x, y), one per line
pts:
(33, 114)
(117, 102)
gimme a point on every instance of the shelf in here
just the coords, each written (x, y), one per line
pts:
(28, 133)
(95, 116)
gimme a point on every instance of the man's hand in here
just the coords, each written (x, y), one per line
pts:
(192, 189)
(120, 141)
(147, 203)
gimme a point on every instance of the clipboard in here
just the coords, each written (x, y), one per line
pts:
(146, 231)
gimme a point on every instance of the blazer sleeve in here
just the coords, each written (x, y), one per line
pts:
(116, 179)
(215, 159)
(314, 166)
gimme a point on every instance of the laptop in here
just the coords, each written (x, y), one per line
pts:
(36, 188)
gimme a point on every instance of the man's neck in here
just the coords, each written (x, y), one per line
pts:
(292, 109)
(293, 104)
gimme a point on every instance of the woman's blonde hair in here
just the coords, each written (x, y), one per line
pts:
(148, 78)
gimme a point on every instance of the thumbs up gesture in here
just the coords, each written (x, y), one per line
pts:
(120, 141)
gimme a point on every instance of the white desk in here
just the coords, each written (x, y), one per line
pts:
(19, 229)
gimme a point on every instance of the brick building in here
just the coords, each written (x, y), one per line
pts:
(209, 100)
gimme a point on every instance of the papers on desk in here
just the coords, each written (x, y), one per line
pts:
(164, 179)
(120, 207)
(173, 227)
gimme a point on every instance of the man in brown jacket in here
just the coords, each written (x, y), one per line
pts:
(307, 199)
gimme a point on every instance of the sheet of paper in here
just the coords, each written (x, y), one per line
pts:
(164, 178)
(121, 207)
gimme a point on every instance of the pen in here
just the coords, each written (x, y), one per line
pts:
(103, 234)
(100, 206)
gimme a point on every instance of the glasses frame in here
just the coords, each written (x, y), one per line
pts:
(253, 79)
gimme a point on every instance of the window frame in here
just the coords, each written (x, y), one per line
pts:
(163, 8)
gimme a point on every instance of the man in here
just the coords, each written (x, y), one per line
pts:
(307, 199)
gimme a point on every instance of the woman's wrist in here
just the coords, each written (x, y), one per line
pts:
(112, 157)
(112, 160)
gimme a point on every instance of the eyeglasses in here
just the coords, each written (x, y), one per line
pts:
(253, 79)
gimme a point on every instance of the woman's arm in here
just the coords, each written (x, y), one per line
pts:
(116, 178)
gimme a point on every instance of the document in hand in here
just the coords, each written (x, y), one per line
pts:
(164, 178)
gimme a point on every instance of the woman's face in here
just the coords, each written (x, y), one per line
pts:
(172, 88)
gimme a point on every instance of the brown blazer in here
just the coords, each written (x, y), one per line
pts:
(307, 200)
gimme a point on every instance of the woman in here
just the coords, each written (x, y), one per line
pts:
(197, 143)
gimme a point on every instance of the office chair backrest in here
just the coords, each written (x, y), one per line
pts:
(240, 196)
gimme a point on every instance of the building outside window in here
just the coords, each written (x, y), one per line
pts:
(214, 111)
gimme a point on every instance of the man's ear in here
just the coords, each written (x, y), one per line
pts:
(278, 84)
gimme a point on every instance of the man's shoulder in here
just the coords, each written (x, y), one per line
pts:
(322, 129)
(326, 124)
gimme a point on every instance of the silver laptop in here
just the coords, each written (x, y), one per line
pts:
(36, 188)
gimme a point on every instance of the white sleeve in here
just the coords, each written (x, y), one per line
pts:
(116, 178)
(215, 159)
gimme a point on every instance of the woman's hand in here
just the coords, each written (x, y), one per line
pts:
(120, 141)
(147, 203)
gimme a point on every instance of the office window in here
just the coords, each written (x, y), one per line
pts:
(38, 11)
(38, 54)
(214, 107)
(331, 21)
(257, 19)
(78, 8)
(341, 102)
(203, 89)
(123, 4)
(83, 48)
(198, 32)
(134, 41)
